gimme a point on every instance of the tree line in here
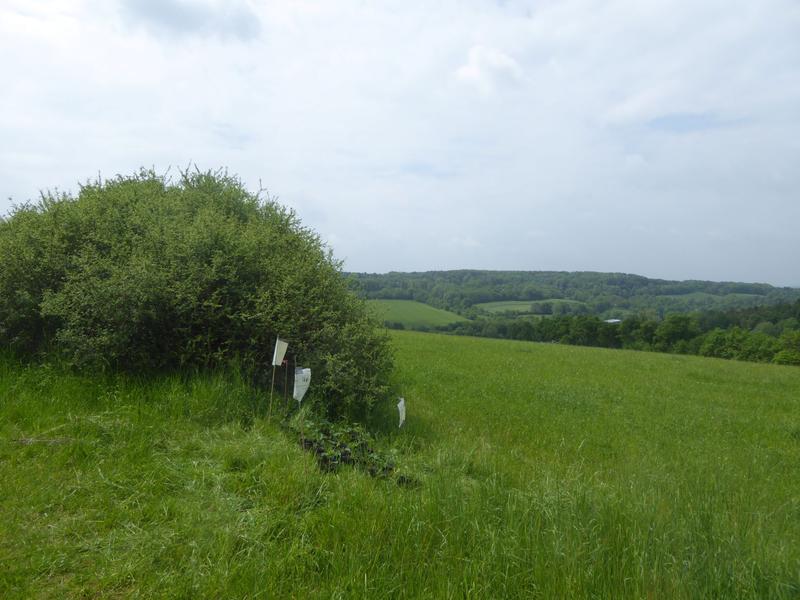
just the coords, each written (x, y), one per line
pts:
(760, 334)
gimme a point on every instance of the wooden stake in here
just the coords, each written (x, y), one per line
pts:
(271, 391)
(302, 418)
(286, 382)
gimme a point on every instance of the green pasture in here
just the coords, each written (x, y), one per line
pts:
(412, 314)
(536, 470)
(706, 296)
(521, 306)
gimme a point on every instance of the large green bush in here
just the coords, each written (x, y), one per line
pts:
(140, 273)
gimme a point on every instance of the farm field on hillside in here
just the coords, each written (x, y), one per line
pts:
(522, 306)
(413, 314)
(707, 296)
(538, 470)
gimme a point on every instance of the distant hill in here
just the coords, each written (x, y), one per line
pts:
(602, 294)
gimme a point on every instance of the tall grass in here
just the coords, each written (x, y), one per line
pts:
(543, 471)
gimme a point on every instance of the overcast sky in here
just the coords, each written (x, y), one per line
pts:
(650, 137)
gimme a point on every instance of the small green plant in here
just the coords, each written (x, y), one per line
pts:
(337, 444)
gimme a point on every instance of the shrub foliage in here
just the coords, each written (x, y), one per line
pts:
(141, 273)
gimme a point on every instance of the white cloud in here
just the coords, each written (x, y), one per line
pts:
(489, 68)
(230, 19)
(402, 126)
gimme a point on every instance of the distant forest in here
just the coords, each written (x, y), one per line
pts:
(742, 321)
(607, 295)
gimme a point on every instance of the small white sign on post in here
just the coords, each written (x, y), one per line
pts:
(302, 379)
(401, 411)
(280, 352)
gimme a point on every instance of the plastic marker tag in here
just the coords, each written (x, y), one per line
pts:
(302, 379)
(280, 351)
(401, 410)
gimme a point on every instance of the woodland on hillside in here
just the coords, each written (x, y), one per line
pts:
(607, 295)
(741, 321)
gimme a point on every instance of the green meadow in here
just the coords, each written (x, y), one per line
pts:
(708, 296)
(412, 314)
(536, 470)
(522, 306)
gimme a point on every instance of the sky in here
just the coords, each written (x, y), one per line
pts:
(660, 138)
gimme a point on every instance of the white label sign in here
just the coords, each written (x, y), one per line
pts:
(302, 379)
(280, 352)
(401, 410)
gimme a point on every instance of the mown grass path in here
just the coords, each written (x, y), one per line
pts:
(544, 471)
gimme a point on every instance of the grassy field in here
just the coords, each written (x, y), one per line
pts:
(707, 296)
(543, 471)
(413, 314)
(521, 306)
